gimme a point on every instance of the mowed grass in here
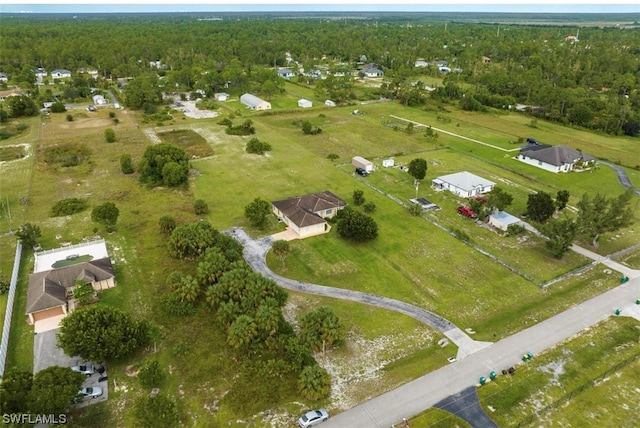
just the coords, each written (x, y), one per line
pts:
(577, 364)
(190, 141)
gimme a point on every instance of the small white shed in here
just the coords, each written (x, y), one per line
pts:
(302, 103)
(502, 220)
(330, 103)
(388, 163)
(221, 96)
(360, 162)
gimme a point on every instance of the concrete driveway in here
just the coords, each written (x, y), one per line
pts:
(47, 354)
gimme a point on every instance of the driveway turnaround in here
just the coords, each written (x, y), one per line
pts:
(255, 253)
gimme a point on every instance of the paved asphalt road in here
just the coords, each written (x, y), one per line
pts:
(427, 391)
(423, 393)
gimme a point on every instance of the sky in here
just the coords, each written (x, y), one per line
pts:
(138, 6)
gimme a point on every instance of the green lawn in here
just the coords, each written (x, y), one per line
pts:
(412, 259)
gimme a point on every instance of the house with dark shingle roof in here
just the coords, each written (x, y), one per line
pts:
(306, 215)
(50, 292)
(555, 158)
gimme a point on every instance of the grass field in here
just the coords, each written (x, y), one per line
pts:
(573, 384)
(412, 260)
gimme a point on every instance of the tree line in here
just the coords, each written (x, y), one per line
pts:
(592, 82)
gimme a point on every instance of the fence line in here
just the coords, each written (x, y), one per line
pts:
(80, 245)
(4, 343)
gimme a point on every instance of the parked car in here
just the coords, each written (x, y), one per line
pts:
(467, 212)
(86, 369)
(88, 393)
(361, 171)
(312, 418)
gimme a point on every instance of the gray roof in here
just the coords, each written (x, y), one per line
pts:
(48, 289)
(555, 155)
(464, 180)
(302, 210)
(251, 100)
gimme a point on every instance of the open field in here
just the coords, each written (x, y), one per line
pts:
(412, 260)
(573, 384)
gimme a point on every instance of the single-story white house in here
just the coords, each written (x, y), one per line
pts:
(421, 63)
(555, 158)
(221, 96)
(502, 220)
(330, 103)
(360, 162)
(388, 163)
(373, 72)
(306, 215)
(302, 103)
(99, 100)
(285, 73)
(255, 103)
(60, 74)
(463, 184)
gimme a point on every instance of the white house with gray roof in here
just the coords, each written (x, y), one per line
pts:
(255, 103)
(555, 158)
(463, 184)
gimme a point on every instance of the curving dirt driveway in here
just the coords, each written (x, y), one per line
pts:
(255, 253)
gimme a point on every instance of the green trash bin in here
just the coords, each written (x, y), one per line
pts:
(637, 301)
(492, 375)
(618, 311)
(483, 380)
(530, 355)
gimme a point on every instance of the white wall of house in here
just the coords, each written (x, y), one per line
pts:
(543, 165)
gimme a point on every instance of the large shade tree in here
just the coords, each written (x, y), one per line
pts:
(163, 164)
(53, 389)
(356, 226)
(101, 333)
(600, 214)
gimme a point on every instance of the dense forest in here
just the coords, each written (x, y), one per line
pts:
(581, 75)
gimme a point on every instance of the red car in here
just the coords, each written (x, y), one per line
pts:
(467, 212)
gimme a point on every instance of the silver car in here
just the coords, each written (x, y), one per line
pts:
(88, 393)
(312, 418)
(86, 369)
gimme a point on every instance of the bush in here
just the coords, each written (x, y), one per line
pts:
(172, 305)
(69, 118)
(257, 147)
(68, 206)
(110, 135)
(67, 155)
(369, 207)
(151, 374)
(200, 207)
(167, 224)
(112, 114)
(58, 107)
(314, 383)
(126, 164)
(332, 156)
